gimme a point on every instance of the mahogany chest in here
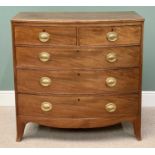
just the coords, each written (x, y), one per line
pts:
(78, 70)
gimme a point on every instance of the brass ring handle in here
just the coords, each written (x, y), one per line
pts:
(45, 81)
(111, 81)
(112, 36)
(110, 107)
(44, 56)
(111, 57)
(46, 106)
(44, 37)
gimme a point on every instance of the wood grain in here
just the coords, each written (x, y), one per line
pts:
(75, 122)
(92, 58)
(77, 17)
(77, 82)
(78, 106)
(97, 35)
(58, 35)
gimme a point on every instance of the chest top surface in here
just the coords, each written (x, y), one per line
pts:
(78, 17)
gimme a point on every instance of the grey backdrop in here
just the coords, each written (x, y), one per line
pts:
(6, 13)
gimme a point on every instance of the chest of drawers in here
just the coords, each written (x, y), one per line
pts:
(78, 70)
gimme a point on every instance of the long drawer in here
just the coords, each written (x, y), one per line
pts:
(54, 58)
(78, 82)
(78, 106)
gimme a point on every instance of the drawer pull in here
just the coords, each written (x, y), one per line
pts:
(112, 36)
(44, 56)
(46, 106)
(110, 107)
(111, 57)
(45, 81)
(111, 81)
(44, 37)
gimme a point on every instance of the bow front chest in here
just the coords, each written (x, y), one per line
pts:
(78, 70)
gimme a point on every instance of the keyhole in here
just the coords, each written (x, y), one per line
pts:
(78, 100)
(78, 74)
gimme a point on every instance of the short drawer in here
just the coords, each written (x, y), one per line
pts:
(78, 82)
(78, 106)
(110, 35)
(45, 35)
(44, 57)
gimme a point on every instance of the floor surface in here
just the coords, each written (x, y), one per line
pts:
(40, 136)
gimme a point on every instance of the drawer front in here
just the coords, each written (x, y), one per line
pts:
(110, 35)
(78, 82)
(45, 35)
(78, 106)
(77, 59)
